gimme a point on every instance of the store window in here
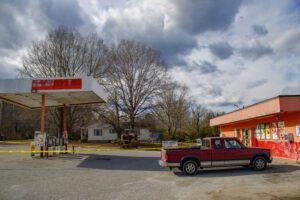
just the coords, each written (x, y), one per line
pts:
(281, 130)
(267, 131)
(274, 131)
(262, 132)
(298, 130)
(257, 131)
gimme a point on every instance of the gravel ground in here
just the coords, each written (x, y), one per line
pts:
(136, 175)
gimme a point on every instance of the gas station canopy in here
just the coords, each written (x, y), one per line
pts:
(58, 91)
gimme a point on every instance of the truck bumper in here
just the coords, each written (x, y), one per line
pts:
(168, 164)
(270, 160)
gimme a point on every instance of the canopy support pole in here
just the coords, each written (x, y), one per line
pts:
(43, 121)
(43, 115)
(65, 127)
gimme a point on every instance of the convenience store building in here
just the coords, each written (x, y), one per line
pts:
(273, 123)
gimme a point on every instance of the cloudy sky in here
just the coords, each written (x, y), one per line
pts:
(228, 52)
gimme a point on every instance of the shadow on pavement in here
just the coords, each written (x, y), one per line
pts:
(113, 162)
(240, 171)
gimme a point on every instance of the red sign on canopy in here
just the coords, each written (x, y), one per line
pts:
(56, 84)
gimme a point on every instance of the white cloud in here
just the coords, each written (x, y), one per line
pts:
(250, 64)
(259, 68)
(288, 42)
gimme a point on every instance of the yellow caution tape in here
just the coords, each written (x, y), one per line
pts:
(75, 151)
(82, 150)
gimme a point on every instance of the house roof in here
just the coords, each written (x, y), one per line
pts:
(106, 125)
(98, 125)
(275, 105)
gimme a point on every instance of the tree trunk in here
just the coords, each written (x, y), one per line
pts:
(132, 121)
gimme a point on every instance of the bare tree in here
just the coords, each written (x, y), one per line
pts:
(16, 122)
(131, 72)
(135, 77)
(172, 108)
(199, 114)
(199, 123)
(66, 53)
(110, 112)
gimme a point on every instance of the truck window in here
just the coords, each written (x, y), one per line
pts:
(232, 144)
(206, 144)
(218, 144)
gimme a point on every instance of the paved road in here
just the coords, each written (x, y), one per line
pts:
(136, 175)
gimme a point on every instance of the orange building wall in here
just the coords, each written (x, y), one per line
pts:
(280, 148)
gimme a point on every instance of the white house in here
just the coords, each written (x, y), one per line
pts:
(145, 134)
(105, 133)
(99, 132)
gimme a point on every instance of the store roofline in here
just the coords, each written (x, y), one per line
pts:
(249, 106)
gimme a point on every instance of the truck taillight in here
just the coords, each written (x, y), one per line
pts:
(164, 155)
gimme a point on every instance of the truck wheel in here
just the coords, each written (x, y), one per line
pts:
(190, 167)
(259, 163)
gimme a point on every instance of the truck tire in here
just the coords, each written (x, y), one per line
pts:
(190, 167)
(259, 163)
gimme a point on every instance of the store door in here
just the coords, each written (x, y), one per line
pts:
(240, 135)
(246, 137)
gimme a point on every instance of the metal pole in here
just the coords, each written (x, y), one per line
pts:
(65, 127)
(43, 114)
(42, 120)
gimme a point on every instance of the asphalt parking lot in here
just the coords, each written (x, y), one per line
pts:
(136, 175)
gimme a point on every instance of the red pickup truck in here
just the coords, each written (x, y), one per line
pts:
(215, 152)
